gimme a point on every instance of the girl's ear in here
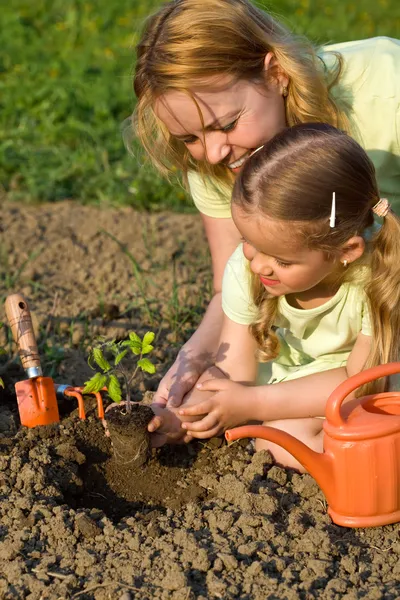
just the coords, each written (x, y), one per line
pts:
(352, 249)
(270, 62)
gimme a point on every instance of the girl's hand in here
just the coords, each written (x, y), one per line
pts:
(230, 405)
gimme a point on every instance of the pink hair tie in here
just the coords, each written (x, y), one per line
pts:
(381, 208)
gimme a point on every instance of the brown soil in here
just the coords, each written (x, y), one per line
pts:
(200, 521)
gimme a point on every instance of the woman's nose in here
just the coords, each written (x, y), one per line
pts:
(217, 147)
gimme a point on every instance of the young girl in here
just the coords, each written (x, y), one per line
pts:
(313, 287)
(216, 79)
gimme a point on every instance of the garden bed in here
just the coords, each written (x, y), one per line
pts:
(204, 520)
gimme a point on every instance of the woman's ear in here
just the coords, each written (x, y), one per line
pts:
(270, 63)
(352, 249)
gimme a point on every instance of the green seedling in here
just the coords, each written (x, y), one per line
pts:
(119, 361)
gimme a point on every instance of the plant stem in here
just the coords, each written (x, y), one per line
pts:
(128, 393)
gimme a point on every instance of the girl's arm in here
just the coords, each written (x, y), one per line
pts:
(299, 398)
(200, 350)
(307, 396)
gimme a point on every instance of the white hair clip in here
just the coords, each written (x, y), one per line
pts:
(332, 218)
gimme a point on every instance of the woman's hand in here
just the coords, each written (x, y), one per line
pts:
(181, 377)
(230, 405)
(165, 427)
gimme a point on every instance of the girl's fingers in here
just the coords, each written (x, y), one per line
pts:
(203, 435)
(205, 424)
(202, 408)
(211, 385)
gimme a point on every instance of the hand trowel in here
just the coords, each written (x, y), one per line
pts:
(37, 403)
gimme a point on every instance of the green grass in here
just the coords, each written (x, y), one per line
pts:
(66, 88)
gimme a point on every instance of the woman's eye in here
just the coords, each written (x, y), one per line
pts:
(230, 126)
(191, 140)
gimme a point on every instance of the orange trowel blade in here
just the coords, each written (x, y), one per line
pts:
(37, 403)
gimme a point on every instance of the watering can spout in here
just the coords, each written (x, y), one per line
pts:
(317, 464)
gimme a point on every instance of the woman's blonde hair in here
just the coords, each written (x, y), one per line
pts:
(292, 179)
(189, 41)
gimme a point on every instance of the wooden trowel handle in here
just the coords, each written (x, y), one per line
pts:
(20, 321)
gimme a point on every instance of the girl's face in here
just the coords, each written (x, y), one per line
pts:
(238, 118)
(284, 265)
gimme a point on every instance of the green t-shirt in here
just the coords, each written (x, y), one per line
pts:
(370, 83)
(311, 340)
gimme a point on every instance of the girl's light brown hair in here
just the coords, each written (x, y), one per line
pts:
(291, 179)
(187, 42)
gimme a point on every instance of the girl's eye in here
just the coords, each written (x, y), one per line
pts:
(282, 264)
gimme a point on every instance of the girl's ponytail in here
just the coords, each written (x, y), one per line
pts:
(383, 292)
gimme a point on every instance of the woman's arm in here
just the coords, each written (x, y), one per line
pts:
(199, 352)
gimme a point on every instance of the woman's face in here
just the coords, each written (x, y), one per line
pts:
(238, 118)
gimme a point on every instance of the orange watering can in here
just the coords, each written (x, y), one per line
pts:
(359, 470)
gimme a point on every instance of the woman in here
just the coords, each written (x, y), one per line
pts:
(215, 80)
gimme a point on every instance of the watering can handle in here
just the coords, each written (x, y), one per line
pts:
(20, 321)
(335, 400)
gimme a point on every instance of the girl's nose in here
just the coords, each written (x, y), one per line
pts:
(260, 266)
(217, 147)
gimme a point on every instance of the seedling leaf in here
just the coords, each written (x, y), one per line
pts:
(134, 337)
(114, 348)
(95, 383)
(100, 359)
(136, 347)
(148, 338)
(146, 365)
(120, 356)
(147, 349)
(1, 383)
(114, 389)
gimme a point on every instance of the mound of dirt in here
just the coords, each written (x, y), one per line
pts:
(196, 521)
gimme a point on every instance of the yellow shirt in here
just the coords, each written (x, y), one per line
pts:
(370, 83)
(311, 340)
